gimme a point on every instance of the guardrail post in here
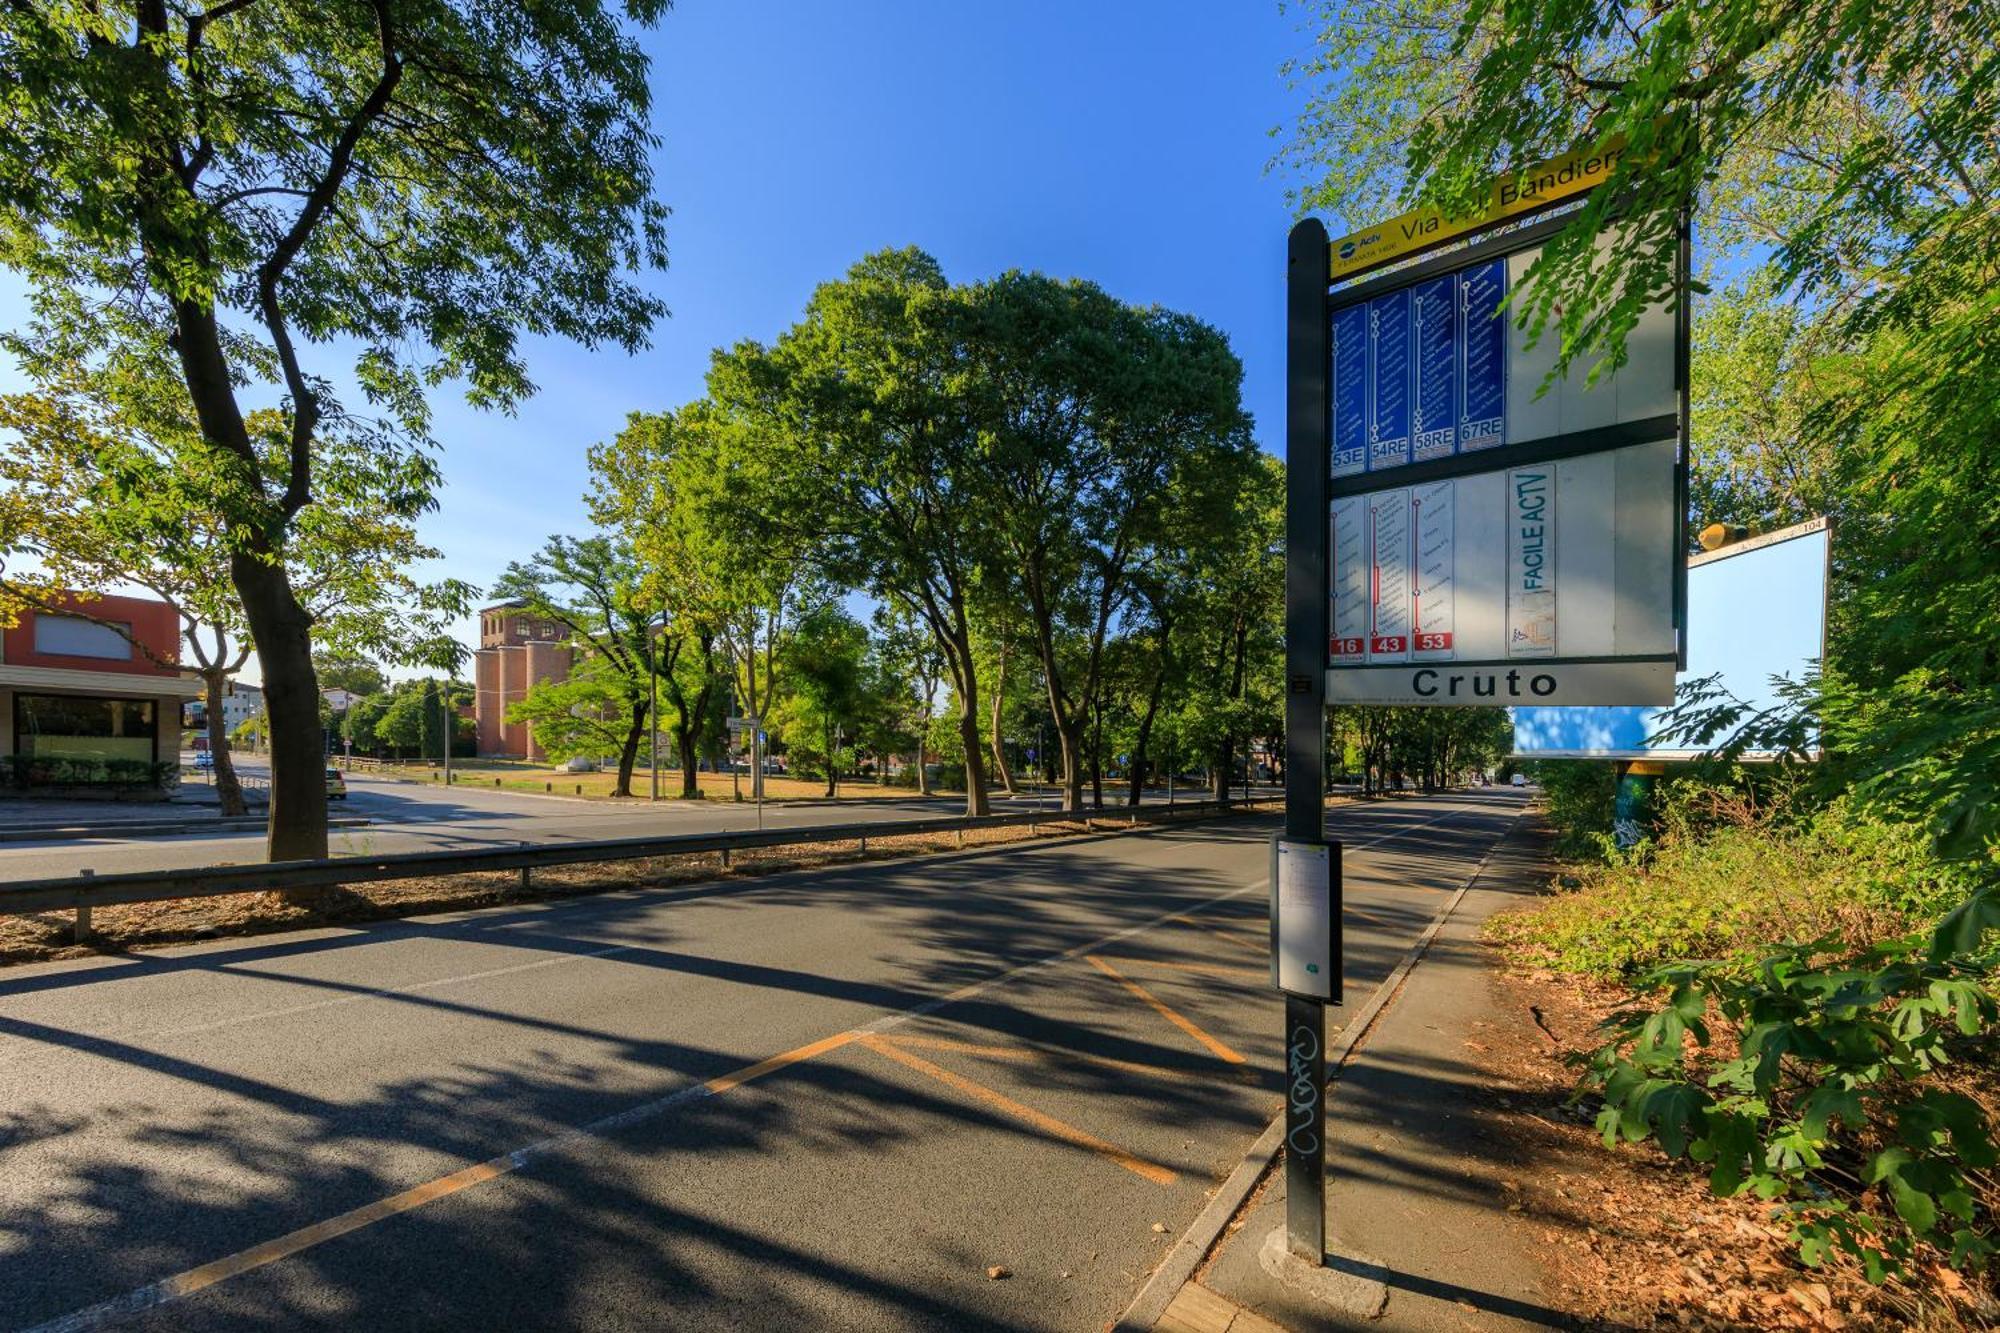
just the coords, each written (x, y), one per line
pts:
(725, 858)
(82, 930)
(864, 844)
(527, 875)
(961, 836)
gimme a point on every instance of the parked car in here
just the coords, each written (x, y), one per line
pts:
(1520, 779)
(336, 785)
(203, 761)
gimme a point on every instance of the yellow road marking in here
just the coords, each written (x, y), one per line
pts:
(1217, 969)
(1221, 1051)
(1048, 1124)
(1038, 1055)
(167, 1290)
(762, 1067)
(1231, 934)
(270, 1251)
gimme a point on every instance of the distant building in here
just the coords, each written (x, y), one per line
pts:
(89, 686)
(240, 704)
(339, 700)
(517, 651)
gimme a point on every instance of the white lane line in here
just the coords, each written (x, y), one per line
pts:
(169, 1290)
(22, 1046)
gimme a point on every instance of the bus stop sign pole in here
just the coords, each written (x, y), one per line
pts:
(1308, 462)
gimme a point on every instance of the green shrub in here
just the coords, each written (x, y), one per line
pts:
(1829, 1088)
(1577, 796)
(24, 771)
(1729, 892)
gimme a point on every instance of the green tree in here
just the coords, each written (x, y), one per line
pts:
(827, 701)
(97, 508)
(357, 675)
(592, 587)
(857, 450)
(195, 201)
(1094, 418)
(724, 602)
(589, 715)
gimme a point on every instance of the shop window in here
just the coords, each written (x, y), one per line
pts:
(61, 726)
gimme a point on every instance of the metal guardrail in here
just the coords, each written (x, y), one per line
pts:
(89, 890)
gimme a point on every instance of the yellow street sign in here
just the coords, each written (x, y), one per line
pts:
(1514, 195)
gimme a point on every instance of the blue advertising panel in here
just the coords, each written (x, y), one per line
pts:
(1434, 400)
(1482, 421)
(1389, 380)
(1756, 613)
(1350, 391)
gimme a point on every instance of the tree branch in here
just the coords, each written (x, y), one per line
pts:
(305, 403)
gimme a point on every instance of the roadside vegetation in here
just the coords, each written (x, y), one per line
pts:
(1800, 962)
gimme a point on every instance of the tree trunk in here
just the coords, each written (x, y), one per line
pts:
(628, 754)
(923, 774)
(1097, 755)
(228, 791)
(1069, 738)
(282, 631)
(1139, 760)
(975, 779)
(1000, 769)
(684, 746)
(965, 678)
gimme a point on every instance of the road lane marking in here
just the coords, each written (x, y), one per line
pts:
(1220, 1050)
(1233, 934)
(168, 1290)
(1041, 1055)
(1048, 1124)
(1211, 969)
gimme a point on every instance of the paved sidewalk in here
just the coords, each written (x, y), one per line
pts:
(1420, 1182)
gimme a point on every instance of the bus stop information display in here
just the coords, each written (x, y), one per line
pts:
(1496, 536)
(1462, 527)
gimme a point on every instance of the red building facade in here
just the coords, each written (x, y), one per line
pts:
(517, 651)
(91, 691)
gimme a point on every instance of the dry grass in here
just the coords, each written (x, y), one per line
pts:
(501, 775)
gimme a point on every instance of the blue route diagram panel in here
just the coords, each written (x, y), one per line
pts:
(1421, 373)
(1389, 380)
(1482, 357)
(1435, 344)
(1350, 391)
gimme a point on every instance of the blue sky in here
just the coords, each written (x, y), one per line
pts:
(1122, 142)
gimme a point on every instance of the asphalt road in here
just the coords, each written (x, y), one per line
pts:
(413, 817)
(830, 1099)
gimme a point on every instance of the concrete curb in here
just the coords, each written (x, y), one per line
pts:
(1207, 1228)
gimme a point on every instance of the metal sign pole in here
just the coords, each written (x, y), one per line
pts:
(1308, 460)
